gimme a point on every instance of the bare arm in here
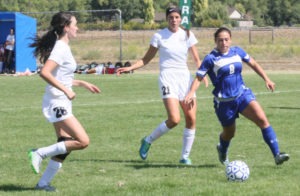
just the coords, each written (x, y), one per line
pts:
(197, 61)
(259, 70)
(140, 63)
(46, 74)
(195, 85)
(194, 52)
(91, 87)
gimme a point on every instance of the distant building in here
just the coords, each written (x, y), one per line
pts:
(242, 20)
(234, 14)
(160, 17)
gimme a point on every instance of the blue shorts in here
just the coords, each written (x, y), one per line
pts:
(228, 111)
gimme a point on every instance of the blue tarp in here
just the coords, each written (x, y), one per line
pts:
(25, 30)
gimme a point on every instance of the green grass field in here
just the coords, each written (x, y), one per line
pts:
(128, 108)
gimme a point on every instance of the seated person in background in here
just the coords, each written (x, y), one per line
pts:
(127, 64)
(118, 65)
(110, 68)
(97, 69)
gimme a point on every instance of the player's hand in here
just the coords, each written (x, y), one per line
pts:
(189, 98)
(122, 69)
(270, 85)
(92, 88)
(70, 94)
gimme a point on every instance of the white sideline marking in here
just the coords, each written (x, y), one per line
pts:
(77, 104)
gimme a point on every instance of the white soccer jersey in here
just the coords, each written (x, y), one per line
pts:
(64, 72)
(173, 48)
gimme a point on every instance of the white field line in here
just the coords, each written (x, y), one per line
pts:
(126, 102)
(159, 100)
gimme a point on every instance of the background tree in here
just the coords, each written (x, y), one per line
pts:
(280, 12)
(199, 8)
(215, 16)
(295, 13)
(161, 5)
(130, 9)
(210, 13)
(148, 11)
(259, 11)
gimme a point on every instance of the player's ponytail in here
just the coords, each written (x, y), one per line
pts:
(44, 45)
(187, 32)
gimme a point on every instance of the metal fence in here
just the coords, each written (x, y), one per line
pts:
(271, 46)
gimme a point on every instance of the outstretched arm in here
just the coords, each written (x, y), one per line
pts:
(259, 70)
(140, 63)
(91, 87)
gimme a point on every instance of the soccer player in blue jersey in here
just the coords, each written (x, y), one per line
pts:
(231, 97)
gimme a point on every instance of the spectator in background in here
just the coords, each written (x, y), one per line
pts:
(1, 58)
(9, 52)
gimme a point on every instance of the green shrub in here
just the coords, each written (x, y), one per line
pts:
(212, 23)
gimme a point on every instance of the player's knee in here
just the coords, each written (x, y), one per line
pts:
(62, 157)
(262, 122)
(84, 143)
(173, 121)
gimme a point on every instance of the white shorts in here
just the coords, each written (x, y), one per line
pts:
(175, 84)
(57, 109)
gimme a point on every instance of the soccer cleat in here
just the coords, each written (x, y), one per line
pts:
(145, 146)
(186, 161)
(35, 161)
(281, 157)
(46, 188)
(222, 156)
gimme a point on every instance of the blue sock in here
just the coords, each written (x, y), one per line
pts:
(224, 145)
(270, 138)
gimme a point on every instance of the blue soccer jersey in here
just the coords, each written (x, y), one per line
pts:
(225, 71)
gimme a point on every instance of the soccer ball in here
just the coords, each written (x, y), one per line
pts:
(237, 171)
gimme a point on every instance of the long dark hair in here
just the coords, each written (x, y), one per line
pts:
(43, 45)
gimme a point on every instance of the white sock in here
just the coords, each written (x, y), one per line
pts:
(188, 140)
(50, 151)
(159, 131)
(51, 170)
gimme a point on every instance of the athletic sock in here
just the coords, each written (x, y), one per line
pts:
(159, 131)
(270, 138)
(187, 141)
(224, 145)
(51, 170)
(52, 150)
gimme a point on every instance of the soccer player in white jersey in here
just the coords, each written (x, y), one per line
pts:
(58, 71)
(231, 97)
(173, 44)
